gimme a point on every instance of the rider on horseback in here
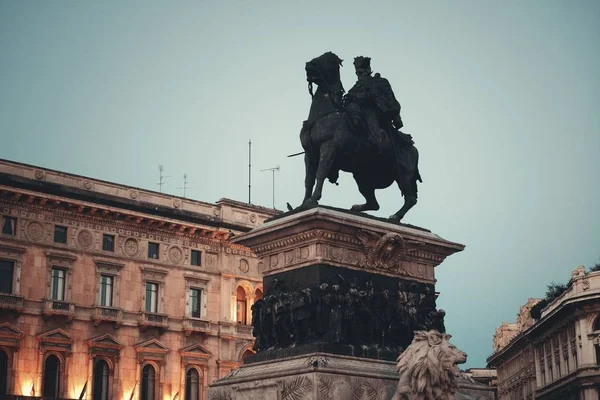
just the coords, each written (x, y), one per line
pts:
(372, 100)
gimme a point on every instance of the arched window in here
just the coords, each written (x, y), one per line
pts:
(51, 384)
(3, 373)
(597, 323)
(100, 380)
(241, 305)
(148, 383)
(247, 353)
(258, 294)
(192, 385)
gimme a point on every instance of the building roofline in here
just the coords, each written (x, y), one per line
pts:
(224, 200)
(564, 306)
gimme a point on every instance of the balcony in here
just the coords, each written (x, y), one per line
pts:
(157, 320)
(11, 302)
(195, 325)
(243, 330)
(107, 314)
(59, 308)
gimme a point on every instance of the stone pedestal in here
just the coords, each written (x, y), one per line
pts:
(343, 293)
(316, 376)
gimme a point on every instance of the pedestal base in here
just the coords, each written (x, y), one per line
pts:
(321, 376)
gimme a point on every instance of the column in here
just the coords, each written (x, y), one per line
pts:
(538, 370)
(555, 372)
(589, 393)
(90, 380)
(572, 365)
(580, 343)
(546, 369)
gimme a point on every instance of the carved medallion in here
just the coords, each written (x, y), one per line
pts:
(175, 255)
(176, 203)
(133, 194)
(35, 230)
(253, 218)
(85, 239)
(244, 267)
(304, 253)
(385, 251)
(87, 185)
(131, 247)
(39, 175)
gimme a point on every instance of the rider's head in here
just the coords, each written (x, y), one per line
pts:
(362, 66)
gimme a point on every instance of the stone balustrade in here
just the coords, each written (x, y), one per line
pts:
(11, 301)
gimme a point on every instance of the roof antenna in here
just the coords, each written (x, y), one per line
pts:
(249, 170)
(185, 185)
(161, 177)
(273, 171)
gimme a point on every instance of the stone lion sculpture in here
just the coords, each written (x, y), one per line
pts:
(428, 368)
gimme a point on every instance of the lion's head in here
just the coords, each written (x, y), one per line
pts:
(428, 368)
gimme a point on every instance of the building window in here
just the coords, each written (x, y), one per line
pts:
(597, 348)
(151, 297)
(57, 284)
(148, 383)
(195, 258)
(241, 306)
(108, 243)
(192, 385)
(6, 276)
(60, 234)
(51, 383)
(9, 226)
(153, 251)
(195, 297)
(3, 374)
(100, 389)
(106, 290)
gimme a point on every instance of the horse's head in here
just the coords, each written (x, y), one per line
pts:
(325, 68)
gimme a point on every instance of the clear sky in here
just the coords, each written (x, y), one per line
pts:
(502, 99)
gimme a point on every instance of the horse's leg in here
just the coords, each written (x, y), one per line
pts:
(326, 158)
(408, 186)
(311, 164)
(369, 193)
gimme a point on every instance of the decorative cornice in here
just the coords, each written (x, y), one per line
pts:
(154, 270)
(61, 256)
(12, 249)
(303, 238)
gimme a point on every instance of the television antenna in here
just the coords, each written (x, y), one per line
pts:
(185, 185)
(273, 172)
(161, 178)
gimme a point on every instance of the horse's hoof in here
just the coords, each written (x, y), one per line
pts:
(357, 207)
(394, 218)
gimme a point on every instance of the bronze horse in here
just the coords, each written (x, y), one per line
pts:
(332, 143)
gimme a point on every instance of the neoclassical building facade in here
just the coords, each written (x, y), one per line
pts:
(556, 357)
(114, 292)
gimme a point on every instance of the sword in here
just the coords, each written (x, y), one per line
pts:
(296, 154)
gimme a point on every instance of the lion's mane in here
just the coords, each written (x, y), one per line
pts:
(428, 368)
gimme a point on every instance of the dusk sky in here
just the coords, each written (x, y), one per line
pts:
(502, 99)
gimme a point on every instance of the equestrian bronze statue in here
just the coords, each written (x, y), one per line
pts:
(357, 133)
